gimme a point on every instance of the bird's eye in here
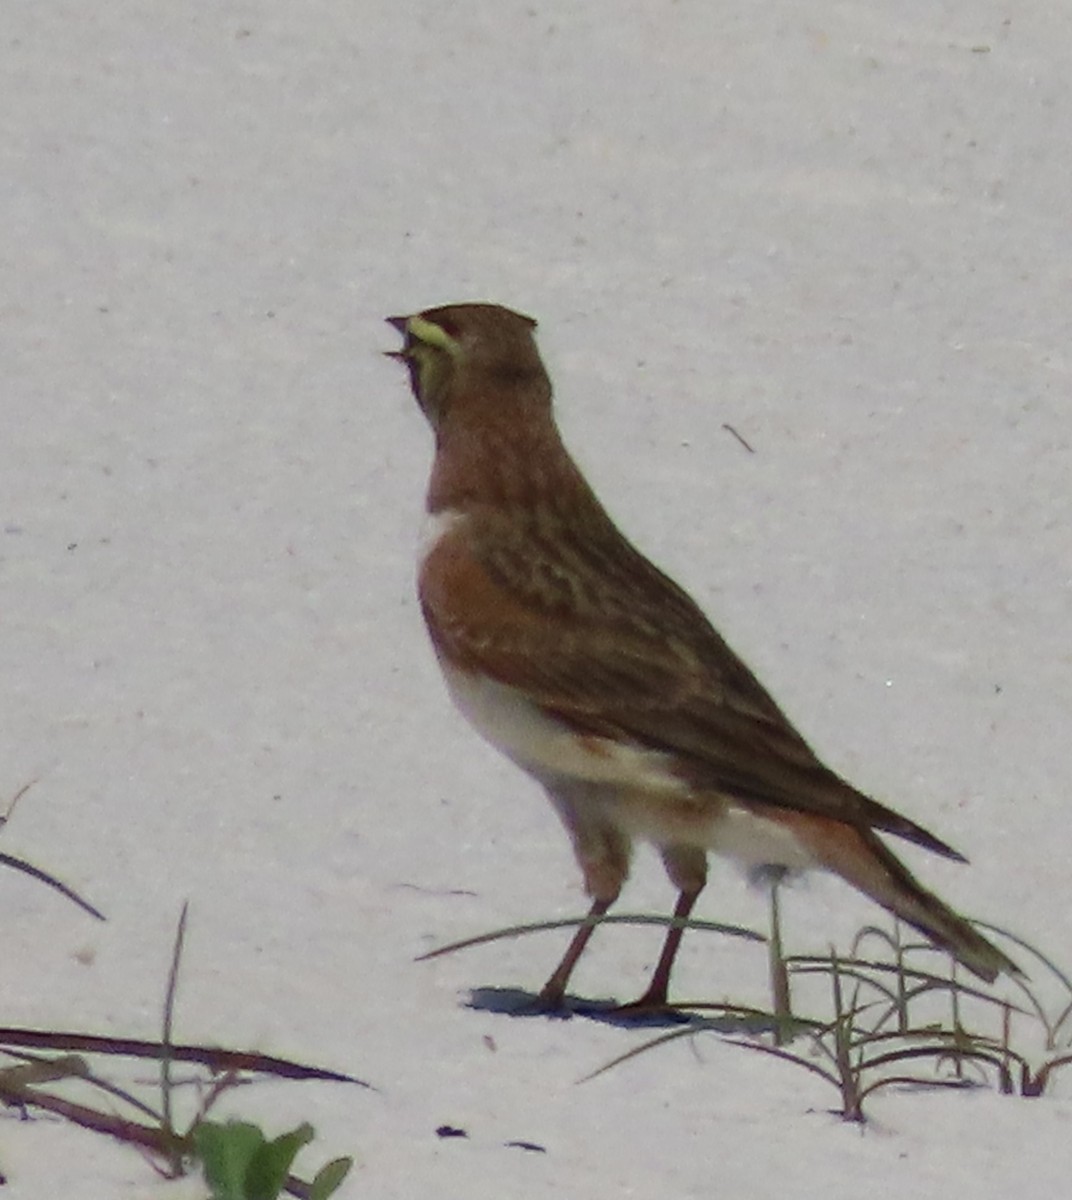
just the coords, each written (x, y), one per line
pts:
(449, 327)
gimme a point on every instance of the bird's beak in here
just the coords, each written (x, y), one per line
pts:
(400, 324)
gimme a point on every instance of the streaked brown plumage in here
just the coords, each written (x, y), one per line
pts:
(599, 676)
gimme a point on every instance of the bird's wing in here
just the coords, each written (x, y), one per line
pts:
(593, 633)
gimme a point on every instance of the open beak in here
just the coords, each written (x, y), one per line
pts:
(400, 324)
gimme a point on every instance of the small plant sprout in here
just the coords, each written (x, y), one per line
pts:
(240, 1163)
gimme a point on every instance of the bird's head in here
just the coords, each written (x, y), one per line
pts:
(463, 351)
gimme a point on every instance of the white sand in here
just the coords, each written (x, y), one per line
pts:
(842, 229)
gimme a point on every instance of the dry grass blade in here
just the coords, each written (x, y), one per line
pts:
(705, 1025)
(787, 1056)
(32, 1070)
(817, 964)
(19, 864)
(915, 1081)
(1047, 962)
(216, 1058)
(513, 931)
(169, 1017)
(150, 1137)
(35, 1070)
(936, 1050)
(651, 1044)
(1052, 1026)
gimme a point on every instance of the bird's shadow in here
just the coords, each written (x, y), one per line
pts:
(515, 1002)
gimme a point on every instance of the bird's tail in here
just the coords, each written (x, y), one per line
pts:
(861, 858)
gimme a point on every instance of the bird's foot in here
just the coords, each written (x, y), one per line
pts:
(642, 1012)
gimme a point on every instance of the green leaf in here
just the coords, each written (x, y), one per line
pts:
(226, 1153)
(329, 1177)
(267, 1173)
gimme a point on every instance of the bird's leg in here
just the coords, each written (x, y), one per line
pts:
(553, 993)
(687, 868)
(655, 997)
(602, 853)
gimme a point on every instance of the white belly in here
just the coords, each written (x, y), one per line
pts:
(548, 749)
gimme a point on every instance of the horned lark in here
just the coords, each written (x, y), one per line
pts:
(596, 674)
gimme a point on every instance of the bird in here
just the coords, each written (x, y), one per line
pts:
(597, 675)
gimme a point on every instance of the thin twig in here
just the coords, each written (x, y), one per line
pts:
(169, 1016)
(6, 816)
(730, 429)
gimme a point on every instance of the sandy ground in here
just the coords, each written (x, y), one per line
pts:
(842, 230)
